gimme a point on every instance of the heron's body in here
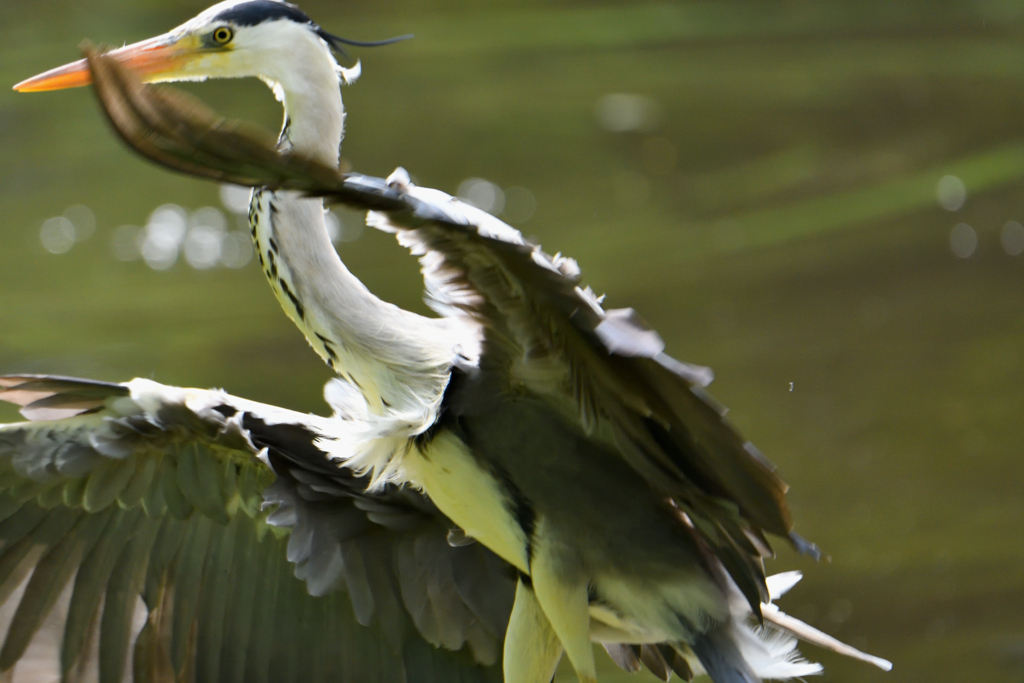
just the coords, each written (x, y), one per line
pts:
(556, 434)
(577, 506)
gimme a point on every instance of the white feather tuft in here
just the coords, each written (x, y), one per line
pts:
(350, 75)
(369, 443)
(779, 584)
(771, 650)
(772, 653)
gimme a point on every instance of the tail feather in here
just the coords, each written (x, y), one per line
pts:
(772, 653)
(768, 651)
(806, 632)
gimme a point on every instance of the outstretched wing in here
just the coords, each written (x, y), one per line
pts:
(540, 329)
(191, 535)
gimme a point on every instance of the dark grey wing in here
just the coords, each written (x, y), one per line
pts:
(539, 327)
(542, 331)
(188, 534)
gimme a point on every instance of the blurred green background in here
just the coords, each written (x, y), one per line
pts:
(820, 200)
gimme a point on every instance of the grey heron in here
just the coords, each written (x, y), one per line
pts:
(526, 441)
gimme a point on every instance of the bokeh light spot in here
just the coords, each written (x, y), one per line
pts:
(340, 230)
(202, 247)
(627, 113)
(963, 240)
(520, 205)
(333, 225)
(235, 198)
(84, 220)
(236, 249)
(163, 236)
(951, 193)
(209, 217)
(483, 194)
(57, 235)
(1012, 238)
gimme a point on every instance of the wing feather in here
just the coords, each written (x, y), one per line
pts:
(239, 609)
(125, 584)
(49, 577)
(218, 577)
(152, 498)
(90, 585)
(265, 628)
(188, 582)
(200, 480)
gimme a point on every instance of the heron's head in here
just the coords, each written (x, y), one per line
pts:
(269, 39)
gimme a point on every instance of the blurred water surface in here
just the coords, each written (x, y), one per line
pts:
(821, 200)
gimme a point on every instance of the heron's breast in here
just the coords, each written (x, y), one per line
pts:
(446, 470)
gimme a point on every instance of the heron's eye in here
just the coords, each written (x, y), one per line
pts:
(223, 35)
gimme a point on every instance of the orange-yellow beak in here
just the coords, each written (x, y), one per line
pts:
(150, 58)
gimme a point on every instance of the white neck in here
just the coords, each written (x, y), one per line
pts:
(314, 113)
(395, 357)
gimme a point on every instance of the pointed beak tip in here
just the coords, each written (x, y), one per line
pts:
(71, 75)
(30, 87)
